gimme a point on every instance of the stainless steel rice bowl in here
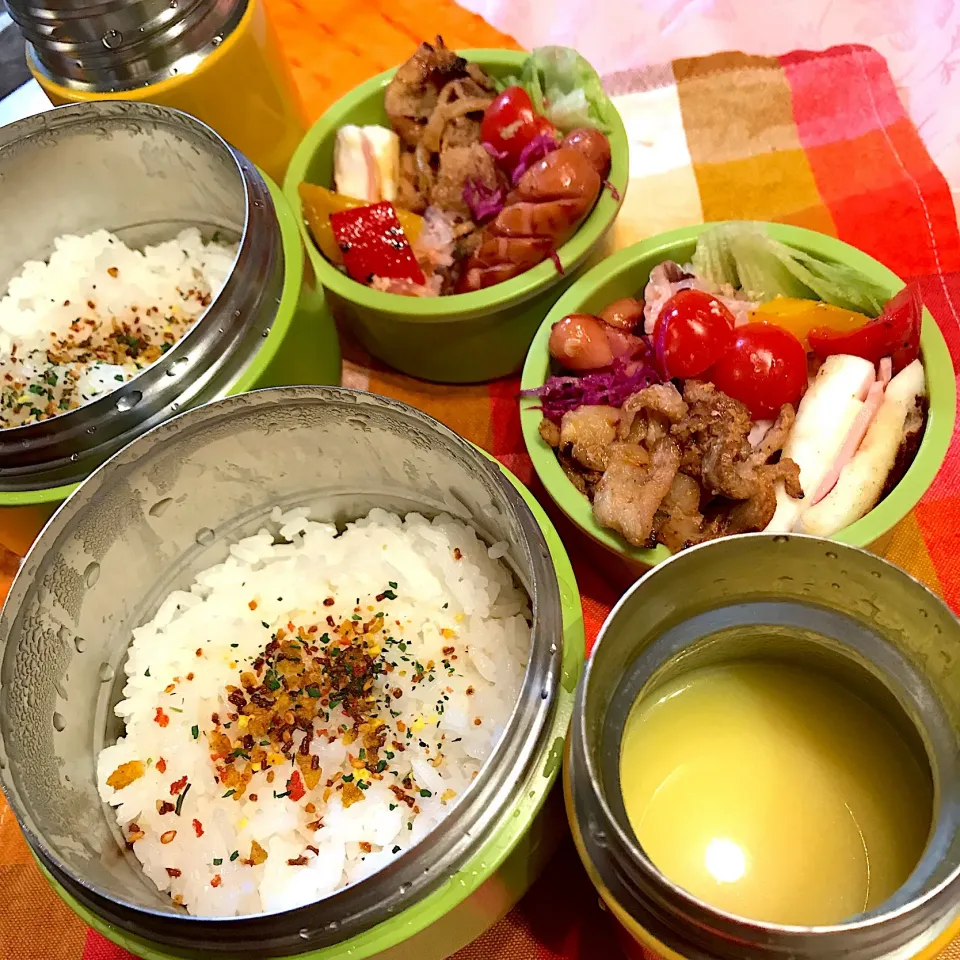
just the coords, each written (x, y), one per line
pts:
(163, 509)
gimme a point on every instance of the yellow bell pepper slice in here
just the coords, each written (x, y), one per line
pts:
(801, 316)
(319, 203)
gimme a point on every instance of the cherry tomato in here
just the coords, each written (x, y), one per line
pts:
(765, 368)
(510, 123)
(692, 331)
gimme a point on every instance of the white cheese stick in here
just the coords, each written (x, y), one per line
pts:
(366, 163)
(824, 418)
(386, 152)
(862, 479)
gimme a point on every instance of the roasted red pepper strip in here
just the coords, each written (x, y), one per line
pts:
(895, 333)
(374, 245)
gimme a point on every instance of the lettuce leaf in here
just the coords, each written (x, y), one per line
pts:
(745, 257)
(564, 88)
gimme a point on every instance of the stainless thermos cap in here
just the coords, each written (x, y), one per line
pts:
(102, 46)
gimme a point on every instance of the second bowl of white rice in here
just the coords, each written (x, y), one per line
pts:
(313, 651)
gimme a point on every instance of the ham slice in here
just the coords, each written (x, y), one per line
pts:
(862, 479)
(824, 419)
(858, 431)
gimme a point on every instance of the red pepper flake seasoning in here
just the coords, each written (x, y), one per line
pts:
(168, 837)
(314, 850)
(113, 271)
(190, 675)
(169, 688)
(165, 806)
(365, 847)
(216, 881)
(199, 651)
(177, 786)
(295, 786)
(162, 765)
(457, 555)
(134, 833)
(374, 245)
(253, 798)
(173, 872)
(198, 828)
(300, 861)
(161, 718)
(329, 602)
(252, 604)
(477, 721)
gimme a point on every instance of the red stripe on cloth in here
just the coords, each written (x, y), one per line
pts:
(508, 446)
(831, 100)
(100, 948)
(941, 294)
(883, 190)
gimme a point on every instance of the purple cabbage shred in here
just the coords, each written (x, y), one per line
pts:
(612, 386)
(535, 150)
(484, 202)
(614, 192)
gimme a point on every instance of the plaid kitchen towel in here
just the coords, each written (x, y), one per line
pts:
(815, 139)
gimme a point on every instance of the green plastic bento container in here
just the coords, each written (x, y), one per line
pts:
(301, 348)
(500, 871)
(466, 338)
(625, 274)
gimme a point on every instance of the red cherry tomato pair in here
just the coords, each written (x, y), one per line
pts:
(510, 123)
(760, 364)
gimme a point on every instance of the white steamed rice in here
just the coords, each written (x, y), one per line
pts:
(455, 639)
(93, 315)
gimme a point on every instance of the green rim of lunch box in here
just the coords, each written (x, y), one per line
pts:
(258, 366)
(625, 273)
(485, 862)
(482, 311)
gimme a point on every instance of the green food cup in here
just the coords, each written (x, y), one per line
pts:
(626, 273)
(465, 338)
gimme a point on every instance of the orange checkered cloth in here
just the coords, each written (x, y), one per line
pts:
(815, 139)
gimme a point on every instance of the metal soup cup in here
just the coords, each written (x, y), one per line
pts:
(841, 611)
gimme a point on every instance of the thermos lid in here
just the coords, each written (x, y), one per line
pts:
(104, 46)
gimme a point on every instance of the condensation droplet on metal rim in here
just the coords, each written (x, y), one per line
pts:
(112, 39)
(217, 41)
(80, 644)
(106, 673)
(780, 539)
(92, 574)
(59, 722)
(205, 536)
(304, 933)
(129, 400)
(74, 457)
(160, 507)
(831, 555)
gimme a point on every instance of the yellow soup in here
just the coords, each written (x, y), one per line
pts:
(774, 793)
